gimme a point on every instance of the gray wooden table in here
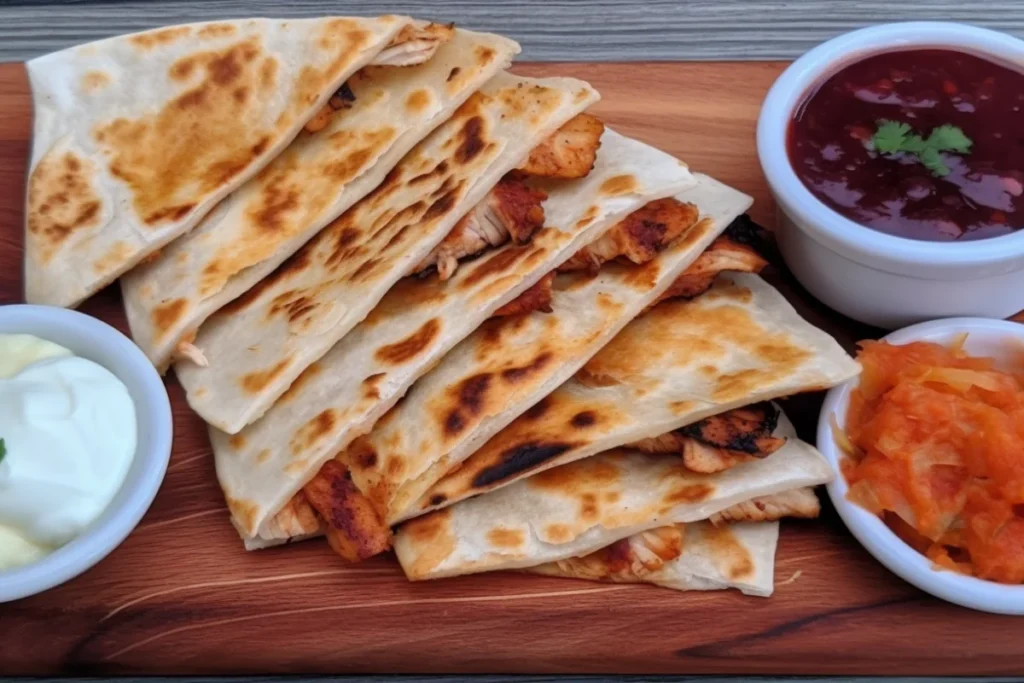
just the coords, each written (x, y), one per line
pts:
(576, 30)
(569, 30)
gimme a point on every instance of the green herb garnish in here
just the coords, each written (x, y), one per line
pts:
(893, 137)
(3, 450)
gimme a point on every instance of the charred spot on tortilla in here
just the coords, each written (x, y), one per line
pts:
(583, 419)
(690, 493)
(506, 538)
(472, 142)
(470, 400)
(295, 263)
(519, 459)
(167, 314)
(257, 381)
(61, 200)
(438, 499)
(411, 346)
(518, 374)
(538, 410)
(439, 170)
(453, 73)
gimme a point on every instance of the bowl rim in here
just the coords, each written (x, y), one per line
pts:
(833, 229)
(118, 520)
(872, 533)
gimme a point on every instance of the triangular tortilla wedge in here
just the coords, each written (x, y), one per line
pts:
(575, 509)
(685, 557)
(737, 344)
(511, 363)
(259, 344)
(419, 320)
(318, 177)
(137, 137)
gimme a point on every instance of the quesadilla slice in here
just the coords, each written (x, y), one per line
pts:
(578, 508)
(137, 137)
(296, 314)
(381, 113)
(685, 557)
(510, 363)
(420, 319)
(680, 366)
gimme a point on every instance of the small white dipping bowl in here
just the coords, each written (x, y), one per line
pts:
(868, 275)
(95, 340)
(993, 338)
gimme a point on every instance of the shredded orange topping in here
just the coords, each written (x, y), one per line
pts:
(935, 446)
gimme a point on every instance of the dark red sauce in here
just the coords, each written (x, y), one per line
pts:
(830, 145)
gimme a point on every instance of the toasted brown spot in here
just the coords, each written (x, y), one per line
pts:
(588, 217)
(296, 263)
(370, 390)
(115, 257)
(558, 533)
(94, 80)
(192, 146)
(471, 140)
(218, 30)
(434, 539)
(293, 305)
(418, 100)
(496, 263)
(438, 499)
(469, 400)
(245, 511)
(300, 381)
(263, 456)
(519, 459)
(453, 73)
(586, 474)
(690, 493)
(159, 37)
(314, 430)
(538, 410)
(618, 185)
(484, 55)
(255, 382)
(237, 441)
(167, 314)
(395, 466)
(506, 538)
(733, 559)
(515, 375)
(682, 407)
(361, 454)
(61, 201)
(437, 171)
(411, 346)
(588, 507)
(583, 419)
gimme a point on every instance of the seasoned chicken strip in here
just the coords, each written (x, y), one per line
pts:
(704, 459)
(723, 254)
(569, 152)
(297, 518)
(629, 559)
(354, 528)
(802, 503)
(638, 237)
(510, 210)
(536, 298)
(342, 99)
(415, 44)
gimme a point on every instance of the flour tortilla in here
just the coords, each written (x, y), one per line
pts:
(575, 509)
(259, 344)
(419, 320)
(137, 137)
(740, 556)
(509, 364)
(739, 343)
(318, 177)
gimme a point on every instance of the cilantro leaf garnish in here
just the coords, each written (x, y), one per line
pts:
(893, 137)
(3, 450)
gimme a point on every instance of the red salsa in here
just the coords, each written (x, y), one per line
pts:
(860, 142)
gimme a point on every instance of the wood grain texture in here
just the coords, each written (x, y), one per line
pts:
(181, 597)
(580, 30)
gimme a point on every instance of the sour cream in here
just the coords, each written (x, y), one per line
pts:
(69, 435)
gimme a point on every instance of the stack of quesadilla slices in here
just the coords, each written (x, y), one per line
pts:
(428, 304)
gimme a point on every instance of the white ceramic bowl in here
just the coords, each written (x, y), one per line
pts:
(89, 338)
(868, 275)
(994, 338)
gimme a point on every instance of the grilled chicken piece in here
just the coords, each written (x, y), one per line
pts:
(723, 254)
(511, 210)
(800, 503)
(569, 152)
(536, 298)
(719, 442)
(638, 237)
(187, 350)
(746, 430)
(414, 44)
(629, 559)
(341, 99)
(354, 528)
(296, 518)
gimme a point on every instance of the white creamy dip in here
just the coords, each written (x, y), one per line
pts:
(69, 435)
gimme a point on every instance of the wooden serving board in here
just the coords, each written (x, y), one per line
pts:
(181, 596)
